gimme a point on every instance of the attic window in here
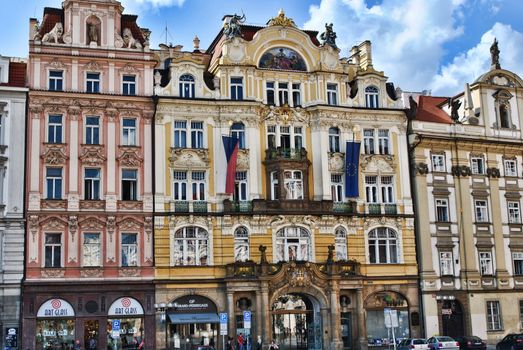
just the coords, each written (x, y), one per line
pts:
(503, 110)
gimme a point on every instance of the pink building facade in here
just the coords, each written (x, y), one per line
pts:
(89, 243)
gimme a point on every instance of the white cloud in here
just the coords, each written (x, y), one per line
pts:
(468, 66)
(407, 36)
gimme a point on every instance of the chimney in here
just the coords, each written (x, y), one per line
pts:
(365, 55)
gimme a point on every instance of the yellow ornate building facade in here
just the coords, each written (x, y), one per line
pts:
(313, 268)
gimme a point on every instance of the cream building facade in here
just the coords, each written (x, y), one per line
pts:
(312, 268)
(467, 175)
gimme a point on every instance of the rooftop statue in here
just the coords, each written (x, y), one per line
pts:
(494, 55)
(233, 28)
(454, 107)
(328, 37)
(281, 20)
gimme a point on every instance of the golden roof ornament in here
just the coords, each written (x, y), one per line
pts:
(281, 20)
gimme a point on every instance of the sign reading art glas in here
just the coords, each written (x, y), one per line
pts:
(126, 306)
(247, 319)
(223, 323)
(55, 308)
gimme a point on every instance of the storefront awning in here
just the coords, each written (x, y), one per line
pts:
(194, 318)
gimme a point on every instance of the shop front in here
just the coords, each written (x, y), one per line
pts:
(55, 325)
(125, 324)
(192, 321)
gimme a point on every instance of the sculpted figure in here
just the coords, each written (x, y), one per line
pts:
(233, 29)
(92, 32)
(494, 54)
(129, 40)
(55, 34)
(329, 36)
(454, 107)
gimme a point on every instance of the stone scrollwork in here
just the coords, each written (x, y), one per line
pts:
(493, 172)
(421, 168)
(336, 162)
(243, 160)
(461, 170)
(54, 154)
(92, 155)
(185, 158)
(129, 157)
(378, 163)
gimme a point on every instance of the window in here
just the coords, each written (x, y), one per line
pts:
(446, 264)
(198, 185)
(92, 184)
(129, 85)
(438, 163)
(91, 250)
(271, 136)
(293, 243)
(92, 130)
(241, 244)
(238, 131)
(337, 187)
(240, 186)
(54, 183)
(442, 210)
(129, 249)
(237, 88)
(197, 134)
(504, 117)
(371, 189)
(510, 166)
(386, 185)
(481, 210)
(292, 180)
(92, 81)
(269, 88)
(180, 185)
(332, 94)
(493, 316)
(477, 165)
(54, 129)
(383, 141)
(383, 246)
(187, 86)
(129, 185)
(387, 189)
(340, 244)
(285, 136)
(334, 140)
(485, 263)
(368, 141)
(129, 132)
(296, 94)
(53, 250)
(274, 186)
(371, 97)
(298, 137)
(56, 80)
(190, 246)
(514, 215)
(283, 93)
(180, 134)
(517, 258)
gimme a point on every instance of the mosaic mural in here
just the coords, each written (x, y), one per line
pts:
(282, 58)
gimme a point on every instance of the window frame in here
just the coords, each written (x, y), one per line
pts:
(481, 208)
(87, 253)
(133, 185)
(200, 235)
(238, 131)
(486, 267)
(334, 139)
(514, 212)
(391, 243)
(94, 183)
(128, 247)
(55, 179)
(55, 247)
(340, 244)
(56, 128)
(332, 94)
(53, 81)
(241, 188)
(129, 86)
(236, 88)
(443, 203)
(446, 263)
(241, 239)
(506, 167)
(93, 132)
(93, 82)
(184, 182)
(187, 86)
(337, 188)
(372, 96)
(129, 133)
(290, 237)
(477, 165)
(494, 316)
(438, 166)
(517, 256)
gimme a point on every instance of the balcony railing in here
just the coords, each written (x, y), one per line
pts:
(390, 209)
(344, 208)
(181, 206)
(199, 207)
(285, 153)
(376, 209)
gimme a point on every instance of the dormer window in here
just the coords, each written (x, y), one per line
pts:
(371, 97)
(187, 86)
(502, 108)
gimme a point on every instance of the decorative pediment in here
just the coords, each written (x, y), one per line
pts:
(129, 223)
(288, 220)
(176, 222)
(92, 223)
(92, 155)
(285, 115)
(129, 156)
(189, 158)
(56, 64)
(54, 223)
(128, 69)
(242, 162)
(382, 221)
(54, 154)
(298, 274)
(378, 163)
(336, 162)
(93, 66)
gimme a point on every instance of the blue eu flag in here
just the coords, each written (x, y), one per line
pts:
(352, 165)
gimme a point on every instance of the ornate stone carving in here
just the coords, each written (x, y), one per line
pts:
(55, 34)
(128, 69)
(54, 223)
(383, 163)
(91, 272)
(328, 37)
(129, 156)
(92, 204)
(53, 204)
(33, 226)
(129, 41)
(53, 273)
(130, 205)
(118, 40)
(242, 162)
(129, 272)
(92, 223)
(56, 64)
(380, 221)
(73, 225)
(92, 66)
(461, 170)
(493, 172)
(148, 227)
(92, 155)
(336, 162)
(129, 223)
(232, 29)
(189, 158)
(281, 20)
(111, 225)
(421, 168)
(176, 221)
(54, 154)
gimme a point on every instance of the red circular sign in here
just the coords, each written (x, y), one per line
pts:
(56, 304)
(126, 302)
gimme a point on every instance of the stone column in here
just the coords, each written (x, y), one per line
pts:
(230, 311)
(335, 317)
(266, 317)
(362, 328)
(259, 315)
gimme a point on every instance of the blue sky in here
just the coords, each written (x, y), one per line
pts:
(437, 45)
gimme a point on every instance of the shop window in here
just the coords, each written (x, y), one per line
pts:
(129, 336)
(377, 333)
(293, 243)
(383, 246)
(191, 246)
(241, 244)
(494, 316)
(520, 313)
(340, 244)
(54, 129)
(187, 86)
(55, 334)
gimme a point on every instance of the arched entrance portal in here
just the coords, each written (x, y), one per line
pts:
(452, 318)
(296, 322)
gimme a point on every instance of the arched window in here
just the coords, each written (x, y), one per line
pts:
(334, 140)
(238, 131)
(191, 246)
(504, 116)
(241, 244)
(187, 86)
(371, 97)
(383, 246)
(340, 243)
(293, 243)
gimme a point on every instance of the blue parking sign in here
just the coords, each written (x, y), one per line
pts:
(116, 325)
(246, 316)
(223, 317)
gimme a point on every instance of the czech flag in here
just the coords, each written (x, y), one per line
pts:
(231, 145)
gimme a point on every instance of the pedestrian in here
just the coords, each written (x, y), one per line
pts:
(77, 345)
(230, 343)
(259, 343)
(273, 345)
(241, 341)
(248, 342)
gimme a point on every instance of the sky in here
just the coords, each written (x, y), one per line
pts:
(435, 45)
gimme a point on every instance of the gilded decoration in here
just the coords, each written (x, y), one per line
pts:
(336, 162)
(383, 299)
(298, 274)
(129, 156)
(189, 158)
(378, 163)
(285, 115)
(54, 154)
(281, 20)
(242, 162)
(92, 155)
(282, 58)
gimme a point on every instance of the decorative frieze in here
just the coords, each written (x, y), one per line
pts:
(129, 156)
(92, 155)
(189, 158)
(54, 154)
